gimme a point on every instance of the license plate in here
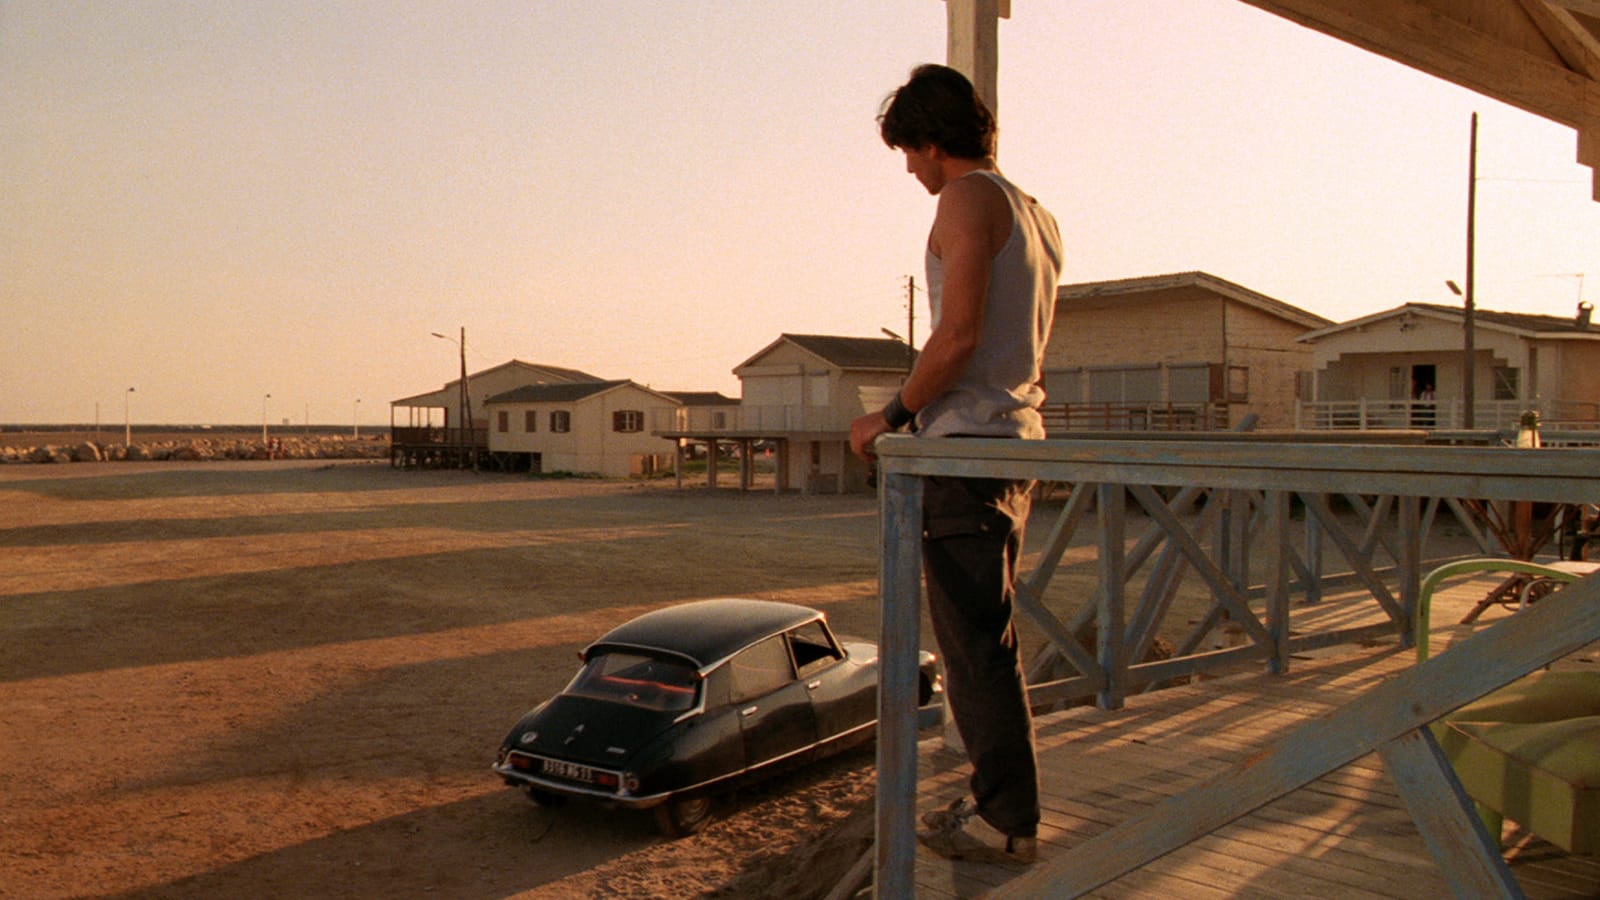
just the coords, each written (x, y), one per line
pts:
(568, 771)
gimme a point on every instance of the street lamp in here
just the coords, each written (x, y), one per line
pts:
(127, 420)
(355, 421)
(264, 399)
(464, 411)
(911, 352)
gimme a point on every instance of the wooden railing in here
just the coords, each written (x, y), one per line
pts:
(439, 437)
(1212, 506)
(1062, 417)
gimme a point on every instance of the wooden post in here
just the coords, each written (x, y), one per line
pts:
(1314, 559)
(1276, 505)
(1112, 651)
(1410, 562)
(900, 581)
(972, 44)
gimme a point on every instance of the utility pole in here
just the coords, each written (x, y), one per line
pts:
(911, 322)
(466, 396)
(1468, 339)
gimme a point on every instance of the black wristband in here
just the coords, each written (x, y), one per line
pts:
(896, 414)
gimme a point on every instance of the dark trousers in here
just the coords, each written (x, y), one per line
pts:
(972, 537)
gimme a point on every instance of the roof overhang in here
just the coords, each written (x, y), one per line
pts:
(1542, 56)
(1156, 288)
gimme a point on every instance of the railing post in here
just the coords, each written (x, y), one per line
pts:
(1109, 620)
(1276, 526)
(1410, 564)
(900, 518)
(1313, 559)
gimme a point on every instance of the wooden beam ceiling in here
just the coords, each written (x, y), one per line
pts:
(1542, 56)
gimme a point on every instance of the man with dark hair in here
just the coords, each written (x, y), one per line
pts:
(993, 262)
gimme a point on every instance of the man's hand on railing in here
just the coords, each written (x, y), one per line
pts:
(864, 430)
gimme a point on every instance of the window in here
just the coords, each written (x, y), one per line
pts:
(530, 421)
(502, 421)
(561, 421)
(1238, 384)
(1134, 384)
(1399, 384)
(627, 420)
(1305, 386)
(761, 669)
(813, 648)
(638, 680)
(1507, 383)
(1063, 386)
(1189, 383)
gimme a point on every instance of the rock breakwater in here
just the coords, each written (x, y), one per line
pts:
(200, 449)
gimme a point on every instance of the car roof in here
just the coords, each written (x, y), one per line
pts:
(705, 631)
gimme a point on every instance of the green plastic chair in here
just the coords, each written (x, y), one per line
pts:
(1529, 750)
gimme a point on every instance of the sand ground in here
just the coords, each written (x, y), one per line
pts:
(253, 679)
(289, 679)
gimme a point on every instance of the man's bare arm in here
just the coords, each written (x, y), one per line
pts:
(968, 230)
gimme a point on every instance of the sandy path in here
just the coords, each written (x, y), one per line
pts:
(275, 679)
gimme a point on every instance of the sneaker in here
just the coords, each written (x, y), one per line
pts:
(951, 817)
(954, 833)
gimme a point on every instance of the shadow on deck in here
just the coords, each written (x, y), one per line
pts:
(1346, 834)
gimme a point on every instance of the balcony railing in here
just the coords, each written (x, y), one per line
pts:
(429, 436)
(1063, 417)
(1496, 415)
(1218, 509)
(749, 420)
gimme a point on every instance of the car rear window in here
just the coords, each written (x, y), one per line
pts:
(637, 680)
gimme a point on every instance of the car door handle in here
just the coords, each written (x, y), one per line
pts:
(749, 710)
(813, 685)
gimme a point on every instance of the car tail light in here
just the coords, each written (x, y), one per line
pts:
(605, 779)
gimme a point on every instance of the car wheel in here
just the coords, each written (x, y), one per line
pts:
(680, 818)
(545, 798)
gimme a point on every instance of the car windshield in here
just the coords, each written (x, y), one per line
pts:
(637, 680)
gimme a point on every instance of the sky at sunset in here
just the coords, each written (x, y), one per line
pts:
(211, 202)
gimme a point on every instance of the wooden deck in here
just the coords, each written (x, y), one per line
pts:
(1345, 835)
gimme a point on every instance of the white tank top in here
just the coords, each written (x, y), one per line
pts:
(999, 394)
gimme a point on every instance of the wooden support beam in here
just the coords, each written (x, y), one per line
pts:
(1576, 45)
(1587, 7)
(1469, 857)
(1112, 508)
(1481, 45)
(972, 43)
(900, 581)
(1561, 623)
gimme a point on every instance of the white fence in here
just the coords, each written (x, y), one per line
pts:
(746, 420)
(1495, 415)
